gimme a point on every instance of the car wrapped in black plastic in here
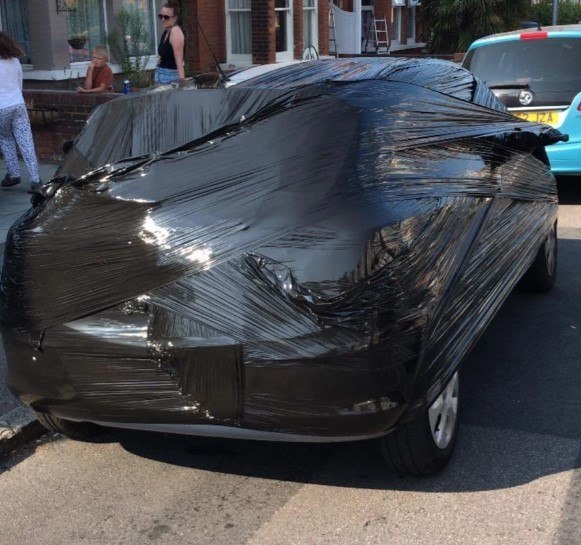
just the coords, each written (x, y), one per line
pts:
(308, 256)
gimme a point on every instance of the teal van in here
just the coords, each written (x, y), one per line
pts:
(536, 73)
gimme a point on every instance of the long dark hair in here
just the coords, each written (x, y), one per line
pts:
(173, 6)
(8, 47)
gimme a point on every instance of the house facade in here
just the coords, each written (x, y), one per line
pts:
(355, 22)
(58, 35)
(239, 33)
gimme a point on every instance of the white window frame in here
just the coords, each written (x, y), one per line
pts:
(82, 66)
(287, 55)
(79, 69)
(397, 19)
(25, 66)
(314, 12)
(231, 58)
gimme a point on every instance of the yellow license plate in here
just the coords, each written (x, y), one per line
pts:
(550, 118)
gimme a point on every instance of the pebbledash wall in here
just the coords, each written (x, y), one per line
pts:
(59, 116)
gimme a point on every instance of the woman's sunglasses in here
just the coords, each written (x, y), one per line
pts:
(163, 17)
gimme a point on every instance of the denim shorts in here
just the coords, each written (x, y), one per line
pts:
(165, 75)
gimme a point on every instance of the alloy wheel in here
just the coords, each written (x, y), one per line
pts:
(443, 412)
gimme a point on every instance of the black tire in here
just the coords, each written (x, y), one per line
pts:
(541, 275)
(411, 448)
(80, 431)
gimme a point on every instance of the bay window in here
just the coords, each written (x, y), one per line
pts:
(310, 24)
(238, 31)
(86, 28)
(397, 24)
(14, 20)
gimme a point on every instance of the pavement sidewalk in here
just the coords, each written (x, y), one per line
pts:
(17, 423)
(14, 201)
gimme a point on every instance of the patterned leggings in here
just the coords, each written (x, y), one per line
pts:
(15, 125)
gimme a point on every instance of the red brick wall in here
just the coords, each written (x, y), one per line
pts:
(209, 16)
(189, 13)
(73, 110)
(263, 31)
(383, 9)
(323, 27)
(212, 18)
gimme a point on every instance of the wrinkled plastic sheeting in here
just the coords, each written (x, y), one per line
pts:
(313, 251)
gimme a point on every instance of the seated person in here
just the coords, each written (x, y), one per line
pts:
(99, 74)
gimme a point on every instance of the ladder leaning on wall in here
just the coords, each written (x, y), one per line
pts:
(332, 36)
(381, 35)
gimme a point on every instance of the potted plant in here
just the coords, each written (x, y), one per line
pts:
(131, 45)
(78, 41)
(78, 34)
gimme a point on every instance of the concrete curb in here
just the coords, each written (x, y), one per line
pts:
(17, 428)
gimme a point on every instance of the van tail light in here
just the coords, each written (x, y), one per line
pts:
(534, 35)
(579, 107)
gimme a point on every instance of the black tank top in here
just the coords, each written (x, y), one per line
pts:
(165, 52)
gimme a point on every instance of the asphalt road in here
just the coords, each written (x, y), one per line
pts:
(512, 481)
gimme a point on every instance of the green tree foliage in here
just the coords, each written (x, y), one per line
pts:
(130, 44)
(454, 24)
(569, 13)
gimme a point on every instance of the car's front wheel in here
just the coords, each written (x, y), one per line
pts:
(425, 445)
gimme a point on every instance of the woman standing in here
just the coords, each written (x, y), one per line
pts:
(14, 122)
(171, 46)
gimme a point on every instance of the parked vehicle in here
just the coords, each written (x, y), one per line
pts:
(306, 256)
(533, 72)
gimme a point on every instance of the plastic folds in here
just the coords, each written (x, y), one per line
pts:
(310, 252)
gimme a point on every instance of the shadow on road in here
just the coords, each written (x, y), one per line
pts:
(569, 188)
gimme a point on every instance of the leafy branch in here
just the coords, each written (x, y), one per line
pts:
(130, 44)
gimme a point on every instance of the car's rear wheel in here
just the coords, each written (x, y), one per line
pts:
(80, 431)
(425, 445)
(542, 273)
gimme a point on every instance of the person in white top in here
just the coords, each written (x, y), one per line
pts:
(14, 122)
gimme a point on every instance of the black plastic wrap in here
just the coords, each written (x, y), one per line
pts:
(311, 252)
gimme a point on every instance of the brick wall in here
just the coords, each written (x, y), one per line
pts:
(72, 109)
(383, 9)
(211, 16)
(263, 32)
(323, 27)
(208, 16)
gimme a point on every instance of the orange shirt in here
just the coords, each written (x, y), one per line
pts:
(104, 74)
